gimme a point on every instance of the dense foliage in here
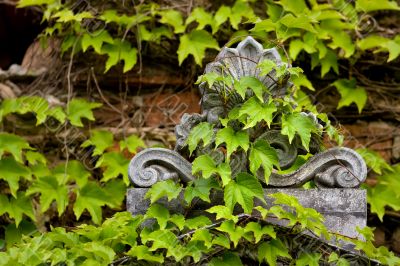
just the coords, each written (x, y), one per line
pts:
(37, 194)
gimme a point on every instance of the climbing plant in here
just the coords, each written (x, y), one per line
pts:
(35, 190)
(161, 237)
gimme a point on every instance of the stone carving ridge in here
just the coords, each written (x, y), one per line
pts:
(156, 164)
(337, 167)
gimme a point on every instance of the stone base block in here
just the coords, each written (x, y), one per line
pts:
(344, 209)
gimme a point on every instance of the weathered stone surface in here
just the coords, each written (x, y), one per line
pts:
(344, 209)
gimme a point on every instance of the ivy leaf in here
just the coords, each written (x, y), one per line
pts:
(270, 251)
(197, 222)
(207, 166)
(240, 10)
(167, 188)
(302, 81)
(132, 143)
(227, 259)
(11, 171)
(96, 40)
(200, 188)
(203, 131)
(202, 17)
(80, 108)
(308, 259)
(242, 191)
(300, 124)
(50, 190)
(204, 236)
(223, 13)
(101, 139)
(90, 197)
(301, 22)
(115, 164)
(195, 43)
(17, 207)
(235, 232)
(374, 160)
(371, 5)
(329, 61)
(73, 172)
(232, 139)
(160, 213)
(262, 154)
(223, 212)
(120, 51)
(115, 191)
(256, 111)
(173, 18)
(296, 7)
(99, 250)
(384, 44)
(142, 252)
(381, 196)
(350, 93)
(259, 231)
(253, 83)
(14, 145)
(222, 241)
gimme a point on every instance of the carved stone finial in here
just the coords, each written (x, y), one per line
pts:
(336, 167)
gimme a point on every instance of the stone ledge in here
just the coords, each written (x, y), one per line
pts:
(344, 209)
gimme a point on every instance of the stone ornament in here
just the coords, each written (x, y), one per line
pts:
(333, 168)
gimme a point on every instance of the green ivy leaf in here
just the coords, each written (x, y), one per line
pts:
(374, 160)
(50, 190)
(160, 213)
(90, 197)
(252, 83)
(227, 259)
(206, 165)
(80, 108)
(257, 111)
(203, 235)
(142, 252)
(14, 145)
(240, 10)
(223, 13)
(167, 188)
(271, 250)
(101, 139)
(350, 93)
(329, 61)
(17, 207)
(223, 212)
(296, 7)
(381, 196)
(259, 231)
(302, 81)
(74, 171)
(173, 18)
(371, 5)
(235, 232)
(308, 259)
(200, 188)
(242, 191)
(120, 51)
(195, 43)
(203, 131)
(262, 154)
(132, 143)
(202, 17)
(301, 22)
(115, 164)
(96, 40)
(11, 171)
(197, 222)
(300, 124)
(232, 139)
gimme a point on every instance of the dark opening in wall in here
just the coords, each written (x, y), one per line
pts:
(18, 29)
